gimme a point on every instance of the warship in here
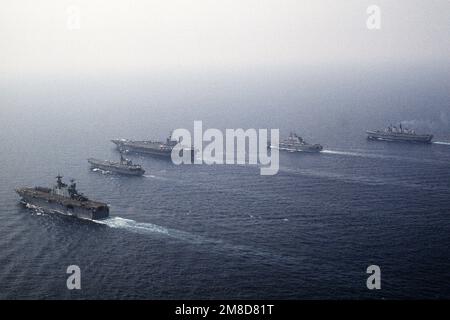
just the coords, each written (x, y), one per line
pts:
(63, 199)
(150, 147)
(124, 166)
(401, 134)
(295, 143)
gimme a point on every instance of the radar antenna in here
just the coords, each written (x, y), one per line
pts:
(59, 182)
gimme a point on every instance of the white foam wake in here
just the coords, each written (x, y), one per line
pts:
(346, 153)
(150, 228)
(442, 143)
(152, 176)
(118, 222)
(101, 171)
(225, 247)
(362, 155)
(384, 156)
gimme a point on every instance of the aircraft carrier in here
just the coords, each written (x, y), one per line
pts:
(151, 147)
(63, 199)
(124, 166)
(295, 143)
(400, 134)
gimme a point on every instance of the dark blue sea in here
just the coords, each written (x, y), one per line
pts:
(225, 231)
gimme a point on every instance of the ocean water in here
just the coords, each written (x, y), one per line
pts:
(225, 232)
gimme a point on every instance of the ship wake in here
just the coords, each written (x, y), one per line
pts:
(150, 228)
(220, 245)
(117, 222)
(152, 176)
(442, 143)
(101, 171)
(384, 156)
(371, 181)
(347, 153)
(363, 155)
(37, 210)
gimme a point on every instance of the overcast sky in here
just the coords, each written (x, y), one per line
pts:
(149, 34)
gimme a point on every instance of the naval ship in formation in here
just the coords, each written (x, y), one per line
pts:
(295, 143)
(151, 147)
(401, 134)
(63, 199)
(124, 166)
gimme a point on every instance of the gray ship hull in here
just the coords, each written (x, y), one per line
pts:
(56, 204)
(147, 148)
(300, 148)
(399, 137)
(115, 167)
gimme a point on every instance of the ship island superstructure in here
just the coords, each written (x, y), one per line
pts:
(63, 199)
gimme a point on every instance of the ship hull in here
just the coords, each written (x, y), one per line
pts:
(305, 148)
(146, 151)
(53, 205)
(149, 150)
(382, 136)
(105, 167)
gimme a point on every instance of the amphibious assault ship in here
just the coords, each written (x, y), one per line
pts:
(124, 166)
(401, 134)
(150, 147)
(294, 143)
(63, 199)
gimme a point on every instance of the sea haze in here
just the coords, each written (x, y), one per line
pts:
(200, 231)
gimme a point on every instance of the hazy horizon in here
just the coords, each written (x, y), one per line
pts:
(285, 64)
